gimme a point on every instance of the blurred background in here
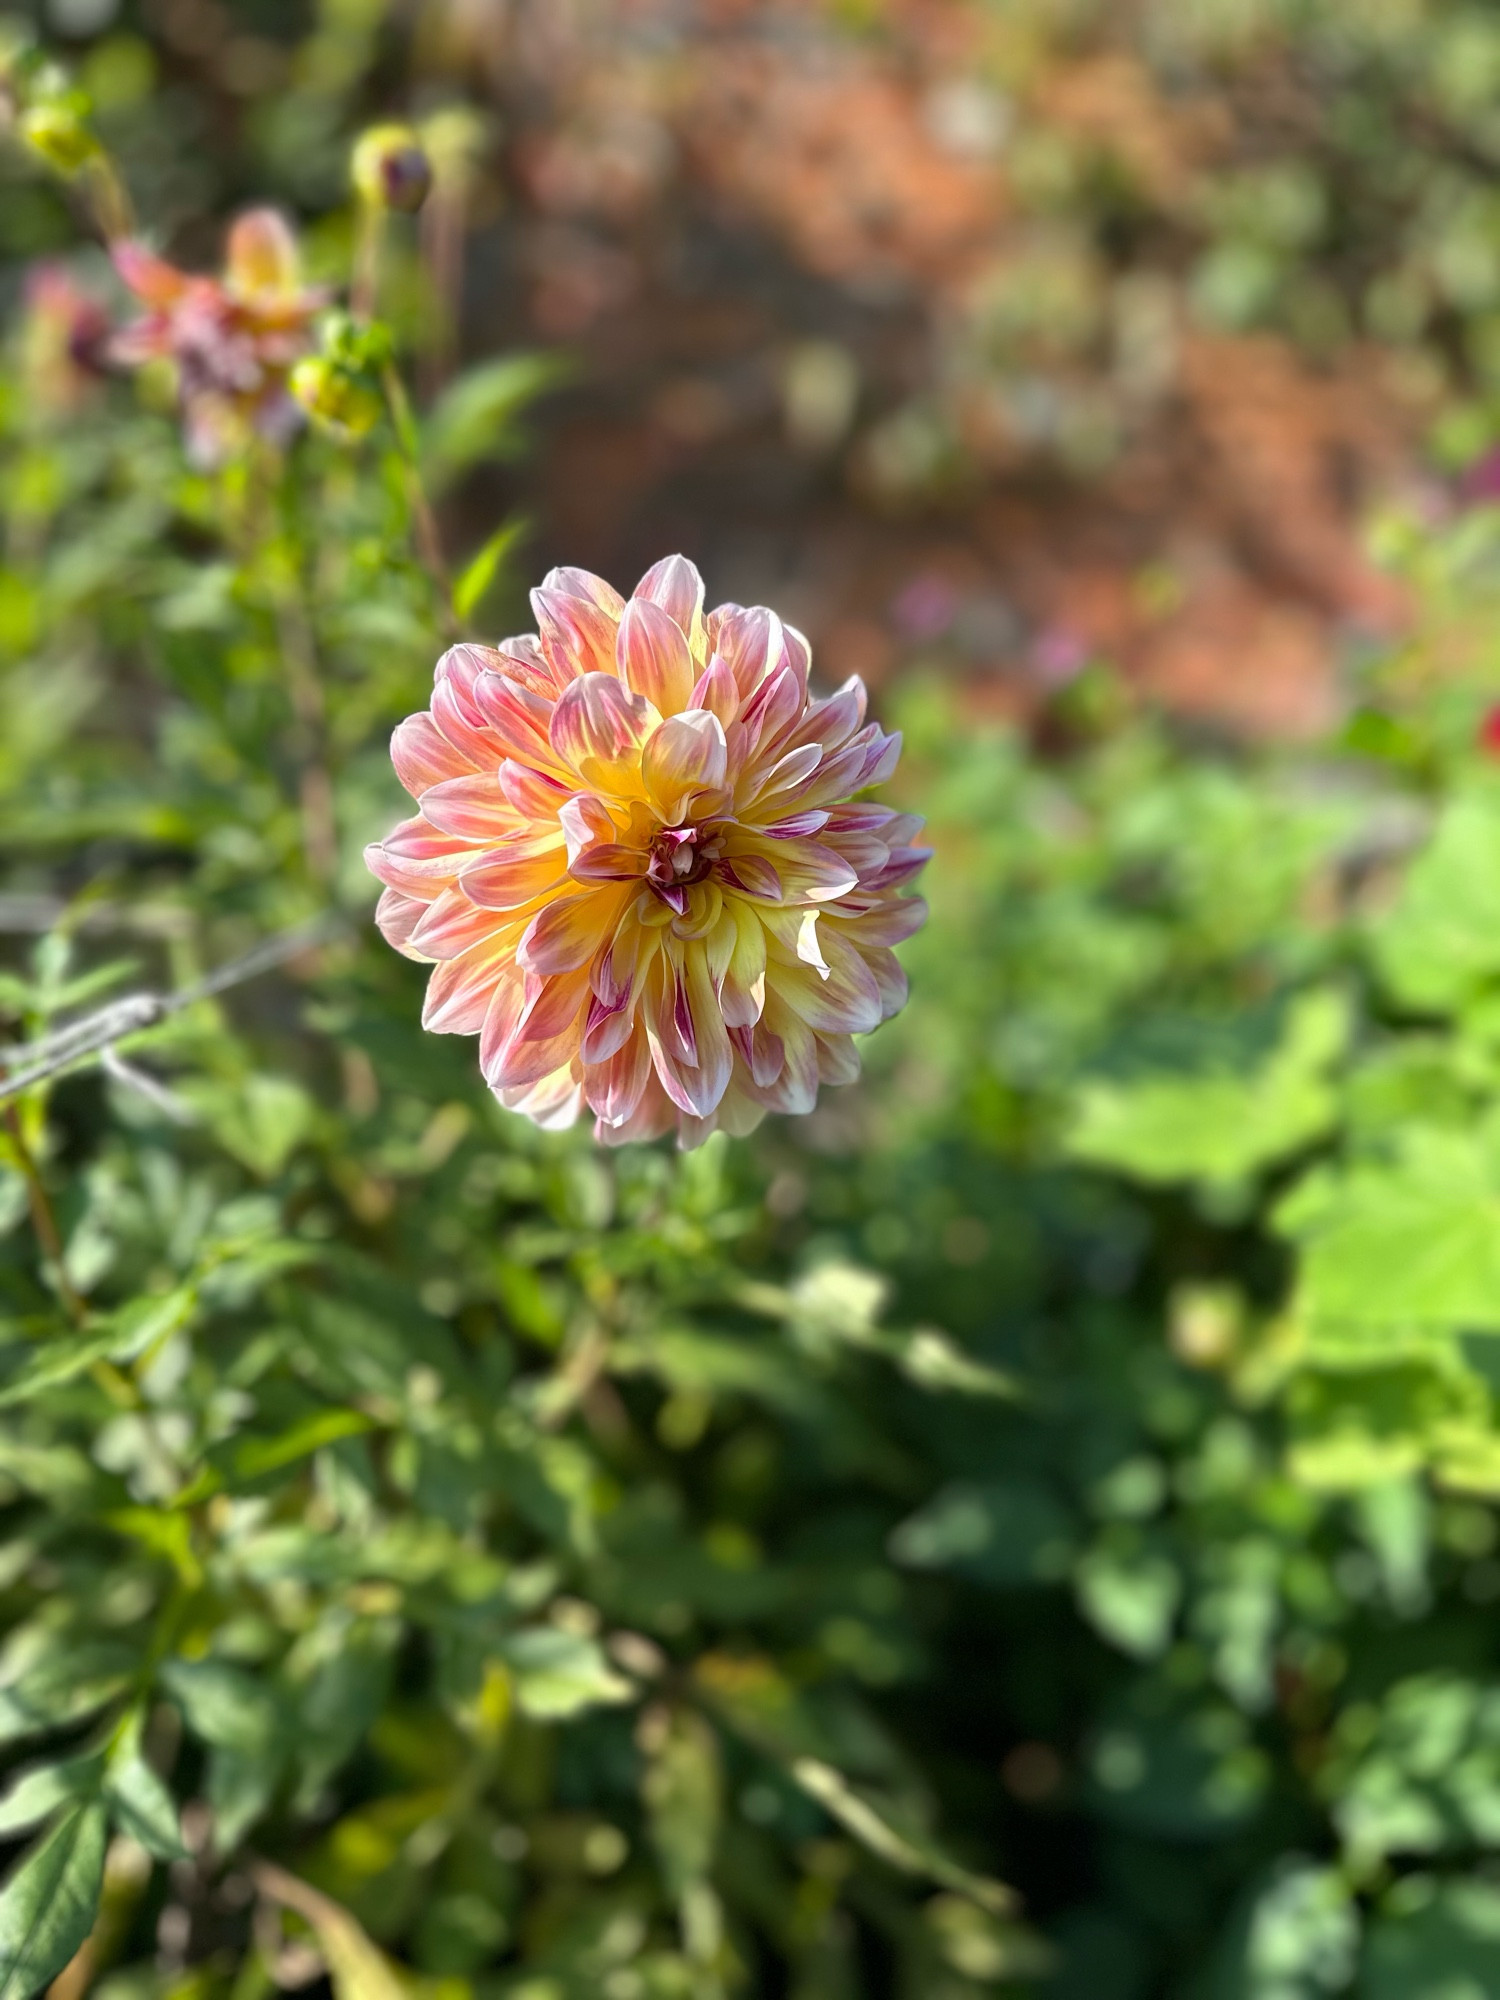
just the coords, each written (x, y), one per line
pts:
(1006, 333)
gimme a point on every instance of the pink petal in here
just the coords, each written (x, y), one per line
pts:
(520, 722)
(838, 1059)
(652, 1116)
(845, 1002)
(585, 822)
(510, 877)
(598, 727)
(396, 917)
(418, 840)
(150, 277)
(459, 992)
(676, 586)
(583, 583)
(716, 689)
(566, 933)
(834, 721)
(753, 874)
(473, 808)
(748, 642)
(453, 925)
(554, 1006)
(423, 756)
(653, 658)
(889, 923)
(578, 636)
(534, 794)
(614, 1083)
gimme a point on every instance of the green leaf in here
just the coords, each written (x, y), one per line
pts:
(561, 1673)
(889, 1832)
(1219, 1127)
(47, 1908)
(474, 418)
(1411, 1240)
(1004, 1533)
(123, 1336)
(140, 1802)
(1427, 1780)
(1439, 943)
(1434, 1941)
(63, 1687)
(1299, 1939)
(224, 1705)
(259, 1121)
(1131, 1600)
(481, 570)
(35, 1793)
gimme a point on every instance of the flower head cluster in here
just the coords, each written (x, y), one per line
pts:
(232, 340)
(637, 868)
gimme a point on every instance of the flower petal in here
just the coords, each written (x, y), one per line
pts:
(675, 585)
(653, 658)
(423, 756)
(453, 925)
(566, 933)
(686, 754)
(510, 877)
(261, 255)
(578, 635)
(598, 728)
(472, 807)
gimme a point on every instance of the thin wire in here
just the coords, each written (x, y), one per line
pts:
(33, 1062)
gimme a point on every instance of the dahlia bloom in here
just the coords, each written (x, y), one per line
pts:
(637, 868)
(232, 340)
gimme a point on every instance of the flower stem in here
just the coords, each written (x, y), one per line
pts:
(43, 1218)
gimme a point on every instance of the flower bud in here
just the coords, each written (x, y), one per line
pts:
(59, 134)
(336, 400)
(391, 169)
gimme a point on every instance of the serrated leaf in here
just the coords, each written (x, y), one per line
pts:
(47, 1908)
(1439, 942)
(1411, 1240)
(123, 1336)
(1218, 1127)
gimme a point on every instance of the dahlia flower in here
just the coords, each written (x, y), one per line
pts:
(637, 868)
(232, 340)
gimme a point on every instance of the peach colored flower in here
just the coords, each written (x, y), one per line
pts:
(233, 340)
(637, 868)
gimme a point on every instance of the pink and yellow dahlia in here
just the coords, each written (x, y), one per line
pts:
(232, 340)
(637, 867)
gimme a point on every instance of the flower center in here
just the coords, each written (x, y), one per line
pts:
(681, 856)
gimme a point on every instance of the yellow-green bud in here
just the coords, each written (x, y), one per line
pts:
(391, 169)
(59, 134)
(336, 400)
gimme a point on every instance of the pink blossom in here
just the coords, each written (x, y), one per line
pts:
(637, 867)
